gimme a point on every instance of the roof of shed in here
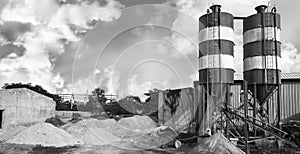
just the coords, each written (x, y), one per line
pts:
(284, 76)
(294, 75)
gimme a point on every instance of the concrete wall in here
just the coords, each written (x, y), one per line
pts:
(24, 106)
(69, 114)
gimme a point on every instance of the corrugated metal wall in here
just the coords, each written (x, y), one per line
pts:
(290, 106)
(290, 100)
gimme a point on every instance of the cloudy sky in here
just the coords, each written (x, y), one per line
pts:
(123, 46)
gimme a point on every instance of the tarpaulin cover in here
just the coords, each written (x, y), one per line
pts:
(176, 108)
(212, 99)
(216, 144)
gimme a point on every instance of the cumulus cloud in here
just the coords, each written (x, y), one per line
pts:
(290, 58)
(53, 25)
(178, 45)
(136, 88)
(196, 8)
(106, 79)
(110, 78)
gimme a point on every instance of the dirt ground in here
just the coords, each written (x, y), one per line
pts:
(103, 149)
(6, 148)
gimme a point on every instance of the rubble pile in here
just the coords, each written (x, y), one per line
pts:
(44, 134)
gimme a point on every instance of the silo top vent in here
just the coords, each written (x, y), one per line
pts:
(216, 8)
(261, 8)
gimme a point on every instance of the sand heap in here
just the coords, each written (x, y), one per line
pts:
(137, 123)
(91, 134)
(9, 133)
(133, 126)
(107, 123)
(216, 144)
(44, 134)
(110, 131)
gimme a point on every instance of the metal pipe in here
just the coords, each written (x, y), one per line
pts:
(226, 108)
(239, 18)
(277, 71)
(207, 80)
(220, 60)
(261, 10)
(254, 107)
(247, 149)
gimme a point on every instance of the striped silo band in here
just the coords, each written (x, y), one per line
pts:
(211, 20)
(260, 76)
(216, 75)
(212, 33)
(253, 35)
(261, 62)
(212, 47)
(255, 21)
(216, 61)
(255, 48)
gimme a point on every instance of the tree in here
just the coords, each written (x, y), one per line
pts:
(100, 94)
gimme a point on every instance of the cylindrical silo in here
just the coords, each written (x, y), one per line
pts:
(216, 66)
(261, 34)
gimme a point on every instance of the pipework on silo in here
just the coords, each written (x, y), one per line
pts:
(216, 66)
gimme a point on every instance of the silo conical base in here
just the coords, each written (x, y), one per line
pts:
(262, 91)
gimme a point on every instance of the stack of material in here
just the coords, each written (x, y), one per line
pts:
(44, 134)
(216, 144)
